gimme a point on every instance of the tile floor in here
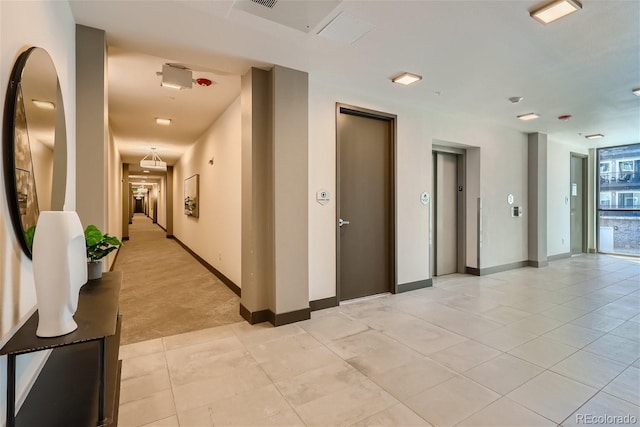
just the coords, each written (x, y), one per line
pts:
(528, 347)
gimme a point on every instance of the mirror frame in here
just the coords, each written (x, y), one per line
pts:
(9, 147)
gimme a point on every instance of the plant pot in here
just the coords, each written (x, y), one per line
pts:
(94, 270)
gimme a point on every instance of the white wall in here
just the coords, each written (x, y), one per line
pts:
(503, 170)
(114, 196)
(49, 25)
(558, 187)
(215, 235)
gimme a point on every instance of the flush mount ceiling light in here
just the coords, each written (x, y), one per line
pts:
(153, 162)
(528, 116)
(636, 92)
(406, 78)
(176, 77)
(162, 121)
(594, 136)
(45, 105)
(555, 10)
(515, 99)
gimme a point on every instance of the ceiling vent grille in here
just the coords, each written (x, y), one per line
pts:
(266, 3)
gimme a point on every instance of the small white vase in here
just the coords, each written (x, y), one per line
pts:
(59, 270)
(94, 269)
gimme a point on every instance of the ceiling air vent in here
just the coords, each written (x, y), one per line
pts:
(266, 3)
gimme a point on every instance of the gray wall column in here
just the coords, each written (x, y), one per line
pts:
(537, 199)
(257, 197)
(290, 100)
(275, 218)
(91, 126)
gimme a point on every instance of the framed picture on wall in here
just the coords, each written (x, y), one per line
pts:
(191, 202)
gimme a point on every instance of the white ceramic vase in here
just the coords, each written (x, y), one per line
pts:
(59, 270)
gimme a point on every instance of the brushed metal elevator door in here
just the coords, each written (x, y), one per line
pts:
(365, 239)
(446, 208)
(577, 203)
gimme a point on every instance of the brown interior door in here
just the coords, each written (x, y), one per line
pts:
(364, 174)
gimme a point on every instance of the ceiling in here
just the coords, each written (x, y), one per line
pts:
(473, 56)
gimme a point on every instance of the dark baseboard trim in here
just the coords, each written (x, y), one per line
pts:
(164, 229)
(412, 286)
(559, 256)
(275, 319)
(472, 270)
(538, 264)
(235, 288)
(497, 269)
(125, 238)
(254, 317)
(170, 236)
(290, 317)
(321, 304)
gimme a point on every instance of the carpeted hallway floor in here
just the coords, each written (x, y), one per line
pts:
(165, 291)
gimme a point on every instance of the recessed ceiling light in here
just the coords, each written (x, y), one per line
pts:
(406, 78)
(555, 10)
(46, 105)
(146, 172)
(528, 116)
(636, 92)
(163, 122)
(594, 136)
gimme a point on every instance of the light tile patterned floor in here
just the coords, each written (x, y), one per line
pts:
(528, 347)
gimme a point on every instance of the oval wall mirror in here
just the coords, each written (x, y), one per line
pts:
(34, 143)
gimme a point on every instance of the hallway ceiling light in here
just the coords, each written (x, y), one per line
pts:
(154, 163)
(406, 78)
(45, 105)
(594, 136)
(528, 116)
(636, 92)
(163, 121)
(555, 10)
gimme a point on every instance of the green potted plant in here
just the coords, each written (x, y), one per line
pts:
(98, 246)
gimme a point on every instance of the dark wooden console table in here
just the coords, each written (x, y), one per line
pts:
(80, 382)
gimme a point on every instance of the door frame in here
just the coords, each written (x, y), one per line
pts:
(392, 119)
(461, 211)
(585, 181)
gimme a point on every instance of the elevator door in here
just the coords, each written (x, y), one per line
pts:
(446, 213)
(577, 205)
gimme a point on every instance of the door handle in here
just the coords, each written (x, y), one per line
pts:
(342, 222)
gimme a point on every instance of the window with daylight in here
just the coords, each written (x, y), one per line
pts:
(619, 200)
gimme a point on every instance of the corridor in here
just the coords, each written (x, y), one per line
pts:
(165, 291)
